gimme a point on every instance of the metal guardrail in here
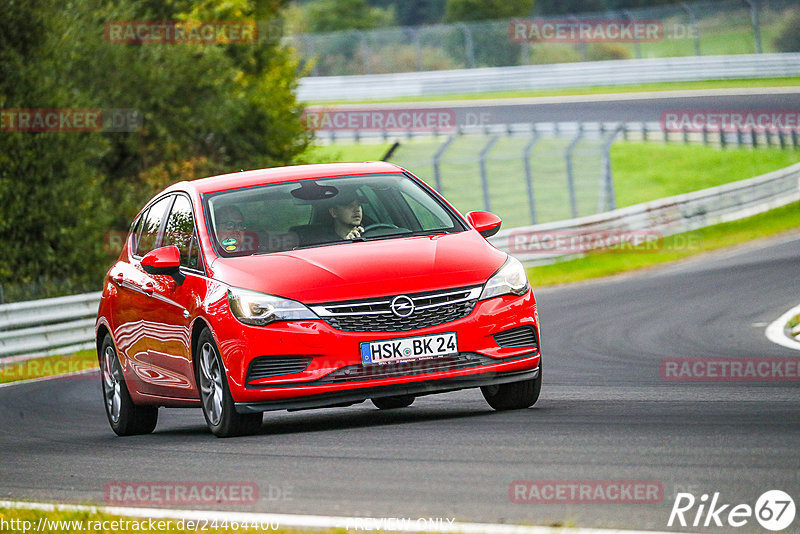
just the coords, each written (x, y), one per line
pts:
(555, 76)
(60, 325)
(47, 326)
(537, 244)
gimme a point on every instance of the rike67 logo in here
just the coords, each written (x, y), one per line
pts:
(774, 510)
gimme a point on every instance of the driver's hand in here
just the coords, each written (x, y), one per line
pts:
(355, 232)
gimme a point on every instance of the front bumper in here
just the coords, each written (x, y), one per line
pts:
(417, 389)
(325, 382)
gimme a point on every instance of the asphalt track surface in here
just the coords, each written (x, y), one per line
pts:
(627, 107)
(605, 413)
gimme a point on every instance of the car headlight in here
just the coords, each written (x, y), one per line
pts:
(259, 309)
(509, 279)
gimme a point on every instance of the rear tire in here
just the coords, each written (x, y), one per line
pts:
(514, 396)
(215, 396)
(391, 403)
(125, 417)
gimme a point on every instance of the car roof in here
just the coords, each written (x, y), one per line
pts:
(275, 175)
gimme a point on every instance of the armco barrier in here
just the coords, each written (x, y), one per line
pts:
(47, 326)
(533, 77)
(59, 325)
(666, 216)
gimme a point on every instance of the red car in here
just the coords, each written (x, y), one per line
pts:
(307, 287)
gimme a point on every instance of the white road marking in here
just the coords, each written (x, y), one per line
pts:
(317, 521)
(774, 331)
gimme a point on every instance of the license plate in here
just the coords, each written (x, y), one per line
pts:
(409, 348)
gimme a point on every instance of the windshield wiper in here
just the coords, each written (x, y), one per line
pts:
(431, 232)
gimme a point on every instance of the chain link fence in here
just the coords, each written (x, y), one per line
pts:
(532, 173)
(525, 173)
(700, 28)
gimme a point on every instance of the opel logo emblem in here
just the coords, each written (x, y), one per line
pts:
(402, 306)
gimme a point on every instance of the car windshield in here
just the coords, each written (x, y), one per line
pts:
(324, 211)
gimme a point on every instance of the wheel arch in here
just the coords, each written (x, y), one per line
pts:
(198, 326)
(102, 332)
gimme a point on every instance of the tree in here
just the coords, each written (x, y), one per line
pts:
(414, 13)
(490, 42)
(340, 15)
(206, 108)
(788, 40)
(54, 215)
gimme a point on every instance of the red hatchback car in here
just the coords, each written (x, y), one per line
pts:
(307, 287)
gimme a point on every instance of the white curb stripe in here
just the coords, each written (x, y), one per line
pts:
(774, 331)
(316, 521)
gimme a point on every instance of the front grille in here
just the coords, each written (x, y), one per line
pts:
(376, 315)
(522, 336)
(464, 360)
(266, 366)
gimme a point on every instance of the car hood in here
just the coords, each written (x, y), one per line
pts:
(364, 269)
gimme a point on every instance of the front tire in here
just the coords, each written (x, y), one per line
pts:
(125, 417)
(215, 395)
(391, 403)
(514, 396)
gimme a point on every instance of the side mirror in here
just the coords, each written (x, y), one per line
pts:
(487, 224)
(164, 260)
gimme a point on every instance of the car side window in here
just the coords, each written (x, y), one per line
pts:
(136, 232)
(151, 226)
(195, 260)
(180, 232)
(428, 219)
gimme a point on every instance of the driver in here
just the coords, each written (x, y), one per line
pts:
(347, 214)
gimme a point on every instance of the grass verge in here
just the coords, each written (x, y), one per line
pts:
(793, 323)
(680, 168)
(594, 90)
(605, 263)
(48, 366)
(649, 171)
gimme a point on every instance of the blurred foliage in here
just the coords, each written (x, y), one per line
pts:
(788, 40)
(563, 7)
(605, 51)
(414, 13)
(339, 15)
(474, 10)
(345, 21)
(488, 42)
(206, 109)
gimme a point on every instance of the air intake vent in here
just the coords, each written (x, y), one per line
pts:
(267, 366)
(523, 336)
(376, 315)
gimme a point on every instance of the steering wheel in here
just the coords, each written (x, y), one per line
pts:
(379, 225)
